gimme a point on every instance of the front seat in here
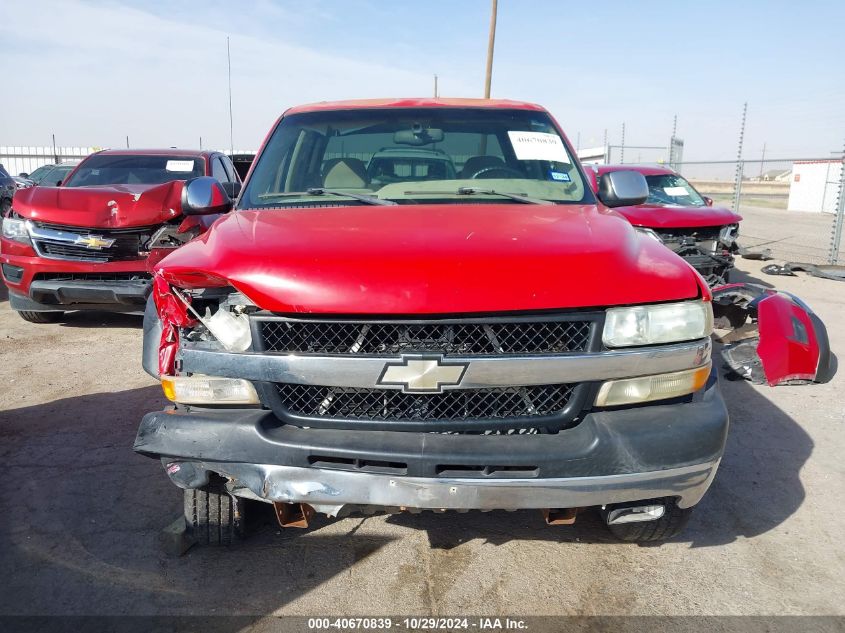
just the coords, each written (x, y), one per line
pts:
(477, 163)
(345, 173)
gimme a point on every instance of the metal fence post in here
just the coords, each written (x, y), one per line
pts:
(839, 217)
(740, 168)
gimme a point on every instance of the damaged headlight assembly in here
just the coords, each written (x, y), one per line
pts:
(648, 232)
(16, 228)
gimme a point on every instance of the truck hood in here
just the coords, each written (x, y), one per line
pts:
(115, 206)
(432, 259)
(658, 216)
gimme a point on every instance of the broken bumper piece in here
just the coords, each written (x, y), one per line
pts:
(771, 337)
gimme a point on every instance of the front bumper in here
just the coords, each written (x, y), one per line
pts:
(40, 284)
(612, 456)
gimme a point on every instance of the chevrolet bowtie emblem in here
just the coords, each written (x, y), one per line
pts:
(422, 373)
(94, 242)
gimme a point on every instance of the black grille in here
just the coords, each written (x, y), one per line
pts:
(140, 277)
(129, 243)
(493, 338)
(518, 405)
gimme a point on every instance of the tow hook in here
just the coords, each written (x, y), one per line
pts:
(560, 516)
(293, 515)
(633, 514)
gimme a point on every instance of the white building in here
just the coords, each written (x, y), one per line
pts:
(814, 186)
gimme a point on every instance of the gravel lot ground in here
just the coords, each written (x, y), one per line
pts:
(83, 513)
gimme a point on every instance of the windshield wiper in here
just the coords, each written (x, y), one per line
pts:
(469, 191)
(319, 191)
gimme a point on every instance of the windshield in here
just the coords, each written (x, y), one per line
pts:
(53, 177)
(40, 172)
(413, 155)
(671, 189)
(121, 169)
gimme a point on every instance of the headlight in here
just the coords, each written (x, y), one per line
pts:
(649, 232)
(646, 388)
(198, 389)
(15, 229)
(660, 323)
(729, 234)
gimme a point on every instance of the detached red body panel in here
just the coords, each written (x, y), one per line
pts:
(779, 339)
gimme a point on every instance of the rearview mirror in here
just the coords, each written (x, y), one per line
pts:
(23, 174)
(622, 189)
(204, 196)
(418, 135)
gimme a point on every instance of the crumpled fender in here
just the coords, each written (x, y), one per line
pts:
(770, 336)
(173, 315)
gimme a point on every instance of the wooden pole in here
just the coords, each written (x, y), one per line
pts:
(490, 45)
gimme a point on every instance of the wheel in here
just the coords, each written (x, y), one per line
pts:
(212, 515)
(40, 317)
(673, 521)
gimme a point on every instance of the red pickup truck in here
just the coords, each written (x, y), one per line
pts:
(88, 244)
(683, 220)
(421, 304)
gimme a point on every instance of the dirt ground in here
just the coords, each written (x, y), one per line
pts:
(82, 513)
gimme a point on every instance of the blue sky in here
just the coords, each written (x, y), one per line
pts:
(94, 72)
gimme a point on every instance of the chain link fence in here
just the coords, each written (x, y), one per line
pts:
(793, 207)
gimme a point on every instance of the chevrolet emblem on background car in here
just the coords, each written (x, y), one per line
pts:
(94, 242)
(422, 374)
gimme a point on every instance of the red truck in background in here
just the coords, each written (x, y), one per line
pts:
(422, 304)
(681, 219)
(89, 243)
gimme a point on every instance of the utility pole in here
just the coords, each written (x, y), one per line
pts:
(739, 163)
(762, 159)
(55, 153)
(127, 141)
(435, 86)
(490, 45)
(578, 143)
(231, 125)
(200, 142)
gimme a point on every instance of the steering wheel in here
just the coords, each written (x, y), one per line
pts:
(501, 172)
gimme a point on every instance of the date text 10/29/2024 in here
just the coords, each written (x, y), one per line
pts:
(417, 624)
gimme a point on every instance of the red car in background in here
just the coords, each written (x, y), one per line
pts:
(88, 244)
(683, 220)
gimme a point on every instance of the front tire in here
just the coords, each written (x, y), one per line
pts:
(40, 317)
(672, 523)
(212, 515)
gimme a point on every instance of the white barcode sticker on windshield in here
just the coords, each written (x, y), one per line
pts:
(538, 146)
(179, 165)
(676, 191)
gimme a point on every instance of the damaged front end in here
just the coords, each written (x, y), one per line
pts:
(710, 249)
(770, 336)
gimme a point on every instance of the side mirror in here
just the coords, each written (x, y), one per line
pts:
(23, 174)
(204, 196)
(622, 189)
(708, 201)
(233, 189)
